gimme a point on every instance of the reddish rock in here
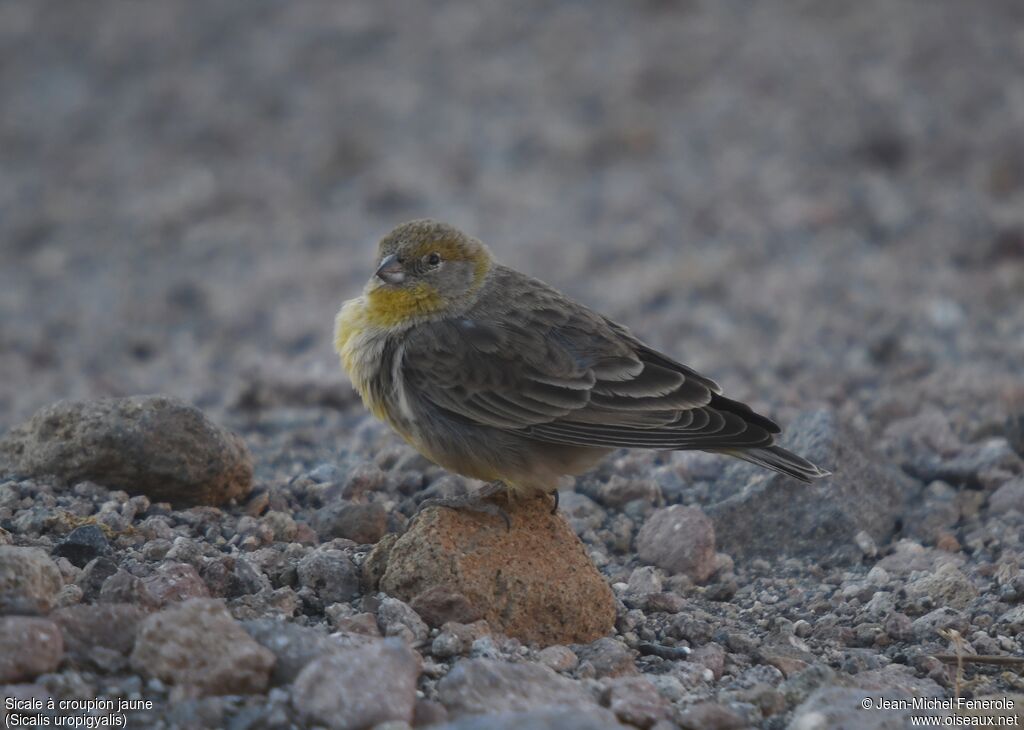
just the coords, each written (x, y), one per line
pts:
(440, 604)
(199, 647)
(173, 583)
(455, 638)
(101, 635)
(608, 657)
(29, 647)
(557, 657)
(711, 656)
(360, 623)
(361, 523)
(636, 701)
(29, 580)
(533, 581)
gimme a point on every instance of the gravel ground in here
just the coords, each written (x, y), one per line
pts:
(819, 204)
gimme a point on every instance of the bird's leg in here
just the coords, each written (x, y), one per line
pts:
(554, 506)
(478, 501)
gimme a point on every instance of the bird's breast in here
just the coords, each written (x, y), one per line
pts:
(372, 357)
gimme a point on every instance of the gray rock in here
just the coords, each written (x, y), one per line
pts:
(428, 712)
(170, 583)
(711, 656)
(967, 467)
(636, 701)
(361, 523)
(798, 688)
(359, 687)
(644, 580)
(294, 646)
(712, 716)
(358, 623)
(922, 437)
(158, 446)
(926, 628)
(898, 679)
(557, 657)
(29, 647)
(1010, 496)
(771, 515)
(899, 626)
(325, 473)
(29, 580)
(836, 707)
(680, 540)
(619, 491)
(396, 618)
(199, 647)
(548, 719)
(582, 512)
(331, 574)
(99, 635)
(95, 575)
(607, 657)
(82, 545)
(1015, 432)
(1013, 619)
(786, 652)
(362, 480)
(478, 686)
(910, 556)
(935, 515)
(455, 639)
(947, 586)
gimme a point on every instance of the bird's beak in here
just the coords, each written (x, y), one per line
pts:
(390, 270)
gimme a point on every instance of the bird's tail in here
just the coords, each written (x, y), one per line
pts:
(778, 459)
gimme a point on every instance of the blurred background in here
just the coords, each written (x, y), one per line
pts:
(818, 203)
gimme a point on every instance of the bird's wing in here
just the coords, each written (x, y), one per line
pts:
(556, 371)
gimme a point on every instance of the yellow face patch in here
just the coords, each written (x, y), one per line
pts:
(391, 306)
(451, 250)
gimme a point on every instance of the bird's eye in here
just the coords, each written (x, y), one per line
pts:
(433, 259)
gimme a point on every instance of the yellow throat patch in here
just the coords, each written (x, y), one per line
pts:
(386, 307)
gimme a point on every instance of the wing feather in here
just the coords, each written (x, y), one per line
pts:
(555, 371)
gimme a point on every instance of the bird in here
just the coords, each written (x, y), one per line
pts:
(497, 376)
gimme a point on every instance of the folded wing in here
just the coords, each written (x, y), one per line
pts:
(558, 372)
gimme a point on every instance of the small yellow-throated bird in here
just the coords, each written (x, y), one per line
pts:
(496, 376)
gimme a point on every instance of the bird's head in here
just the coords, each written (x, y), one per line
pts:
(425, 268)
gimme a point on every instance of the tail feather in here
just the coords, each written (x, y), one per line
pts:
(778, 459)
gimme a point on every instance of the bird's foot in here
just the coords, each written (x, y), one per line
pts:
(479, 501)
